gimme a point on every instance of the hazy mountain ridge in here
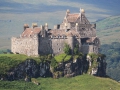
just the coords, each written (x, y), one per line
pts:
(108, 23)
(108, 29)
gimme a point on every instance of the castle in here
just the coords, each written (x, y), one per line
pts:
(74, 30)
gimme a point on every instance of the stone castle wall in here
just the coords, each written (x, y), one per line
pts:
(27, 46)
(89, 49)
(45, 45)
(59, 43)
(87, 30)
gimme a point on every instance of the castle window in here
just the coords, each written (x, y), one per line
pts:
(83, 28)
(59, 49)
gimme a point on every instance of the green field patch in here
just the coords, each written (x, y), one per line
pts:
(83, 82)
(8, 61)
(62, 57)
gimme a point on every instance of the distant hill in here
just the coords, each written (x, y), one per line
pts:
(83, 82)
(108, 29)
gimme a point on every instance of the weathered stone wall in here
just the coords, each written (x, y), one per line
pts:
(67, 26)
(27, 46)
(45, 45)
(58, 45)
(77, 41)
(89, 49)
(87, 31)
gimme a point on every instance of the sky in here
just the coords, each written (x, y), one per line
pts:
(25, 9)
(14, 13)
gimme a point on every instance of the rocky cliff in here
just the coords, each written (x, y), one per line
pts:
(91, 64)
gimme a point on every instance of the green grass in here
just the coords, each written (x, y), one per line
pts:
(62, 57)
(15, 56)
(83, 82)
(8, 61)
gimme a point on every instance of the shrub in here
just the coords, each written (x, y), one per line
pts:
(67, 49)
(53, 63)
(76, 49)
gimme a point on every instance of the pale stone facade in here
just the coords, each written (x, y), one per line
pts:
(75, 29)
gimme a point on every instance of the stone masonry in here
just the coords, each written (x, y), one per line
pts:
(74, 30)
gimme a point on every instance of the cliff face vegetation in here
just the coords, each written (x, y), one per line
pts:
(62, 65)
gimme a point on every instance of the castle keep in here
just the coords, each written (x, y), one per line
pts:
(74, 30)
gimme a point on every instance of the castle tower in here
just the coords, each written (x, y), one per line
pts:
(82, 11)
(43, 31)
(67, 12)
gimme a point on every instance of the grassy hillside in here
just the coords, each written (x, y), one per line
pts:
(109, 29)
(110, 35)
(107, 23)
(8, 61)
(83, 82)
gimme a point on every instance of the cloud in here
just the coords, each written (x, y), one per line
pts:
(66, 3)
(44, 10)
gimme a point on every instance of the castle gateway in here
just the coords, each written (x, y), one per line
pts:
(74, 30)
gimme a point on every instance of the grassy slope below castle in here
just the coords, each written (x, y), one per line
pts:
(83, 82)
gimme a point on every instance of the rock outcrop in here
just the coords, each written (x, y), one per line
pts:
(31, 69)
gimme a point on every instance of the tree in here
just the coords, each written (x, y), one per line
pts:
(76, 49)
(67, 49)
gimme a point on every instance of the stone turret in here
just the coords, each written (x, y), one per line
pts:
(82, 10)
(67, 12)
(46, 26)
(43, 31)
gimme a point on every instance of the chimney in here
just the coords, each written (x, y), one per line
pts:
(34, 25)
(26, 26)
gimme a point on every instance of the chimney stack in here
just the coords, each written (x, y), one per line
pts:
(34, 25)
(26, 26)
